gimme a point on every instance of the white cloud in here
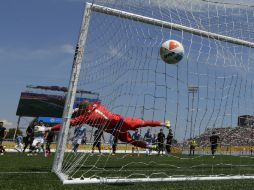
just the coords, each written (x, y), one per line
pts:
(7, 124)
(67, 48)
(24, 54)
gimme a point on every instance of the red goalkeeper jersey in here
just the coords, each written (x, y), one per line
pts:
(96, 115)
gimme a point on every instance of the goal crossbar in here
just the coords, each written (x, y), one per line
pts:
(169, 25)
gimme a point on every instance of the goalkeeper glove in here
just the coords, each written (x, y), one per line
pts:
(167, 124)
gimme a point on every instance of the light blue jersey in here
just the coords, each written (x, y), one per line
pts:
(79, 132)
(19, 139)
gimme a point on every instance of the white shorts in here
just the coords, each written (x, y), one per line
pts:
(38, 140)
(77, 141)
(20, 145)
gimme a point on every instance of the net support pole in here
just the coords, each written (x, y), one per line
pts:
(169, 25)
(69, 102)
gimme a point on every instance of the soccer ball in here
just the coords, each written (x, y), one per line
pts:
(171, 51)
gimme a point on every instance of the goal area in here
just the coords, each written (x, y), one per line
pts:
(209, 92)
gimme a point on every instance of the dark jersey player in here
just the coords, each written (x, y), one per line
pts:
(97, 139)
(169, 141)
(214, 142)
(3, 134)
(96, 115)
(28, 140)
(160, 140)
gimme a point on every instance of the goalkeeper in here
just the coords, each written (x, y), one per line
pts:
(96, 115)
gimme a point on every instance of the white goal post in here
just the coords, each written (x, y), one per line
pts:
(78, 57)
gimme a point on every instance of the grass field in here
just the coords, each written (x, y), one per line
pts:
(18, 171)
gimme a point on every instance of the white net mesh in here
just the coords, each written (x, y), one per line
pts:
(207, 91)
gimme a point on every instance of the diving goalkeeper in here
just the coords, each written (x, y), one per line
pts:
(96, 115)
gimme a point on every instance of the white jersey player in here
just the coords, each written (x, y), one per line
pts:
(19, 143)
(38, 142)
(79, 133)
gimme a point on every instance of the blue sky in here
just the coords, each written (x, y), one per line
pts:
(36, 44)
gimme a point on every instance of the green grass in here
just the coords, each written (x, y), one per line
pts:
(17, 171)
(163, 166)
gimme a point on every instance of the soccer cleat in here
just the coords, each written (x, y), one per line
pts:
(167, 124)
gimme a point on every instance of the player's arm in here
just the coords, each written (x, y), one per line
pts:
(103, 137)
(46, 134)
(73, 122)
(82, 119)
(219, 141)
(155, 123)
(27, 132)
(5, 134)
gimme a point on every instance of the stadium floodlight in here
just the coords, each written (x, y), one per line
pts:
(119, 50)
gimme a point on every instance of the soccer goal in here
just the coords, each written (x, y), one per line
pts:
(209, 91)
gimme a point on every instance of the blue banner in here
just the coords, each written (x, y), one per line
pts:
(50, 119)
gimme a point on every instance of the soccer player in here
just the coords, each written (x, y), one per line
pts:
(28, 140)
(3, 134)
(136, 137)
(161, 140)
(96, 115)
(251, 151)
(39, 139)
(97, 139)
(193, 145)
(79, 133)
(214, 142)
(113, 144)
(148, 138)
(19, 143)
(169, 141)
(49, 137)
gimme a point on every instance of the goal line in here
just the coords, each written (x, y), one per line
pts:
(135, 180)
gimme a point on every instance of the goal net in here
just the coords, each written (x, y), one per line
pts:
(209, 91)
